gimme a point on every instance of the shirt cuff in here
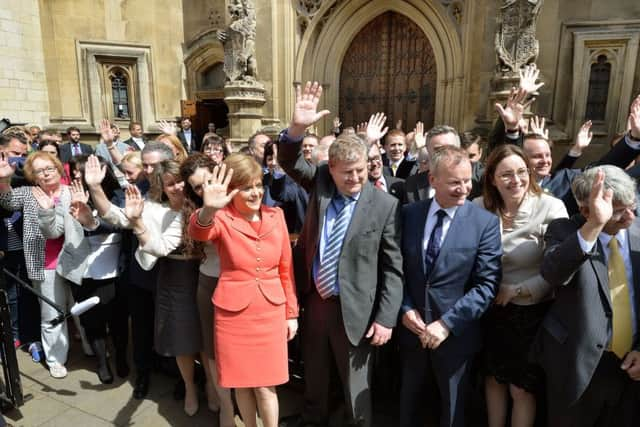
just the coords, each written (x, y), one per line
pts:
(574, 154)
(286, 139)
(587, 247)
(631, 143)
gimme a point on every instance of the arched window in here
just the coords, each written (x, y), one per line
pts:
(120, 93)
(599, 79)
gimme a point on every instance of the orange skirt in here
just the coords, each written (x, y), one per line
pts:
(251, 345)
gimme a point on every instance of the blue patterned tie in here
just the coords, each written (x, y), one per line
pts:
(328, 270)
(433, 248)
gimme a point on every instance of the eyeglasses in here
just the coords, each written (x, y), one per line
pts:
(48, 170)
(374, 159)
(619, 213)
(510, 176)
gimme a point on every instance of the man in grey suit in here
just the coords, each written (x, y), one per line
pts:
(351, 286)
(589, 342)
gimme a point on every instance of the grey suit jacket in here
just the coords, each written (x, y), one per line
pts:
(577, 328)
(56, 222)
(370, 266)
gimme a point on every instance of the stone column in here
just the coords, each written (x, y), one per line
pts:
(245, 102)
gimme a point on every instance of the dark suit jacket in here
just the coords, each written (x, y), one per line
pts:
(395, 187)
(577, 328)
(417, 187)
(371, 247)
(196, 142)
(405, 170)
(65, 151)
(464, 279)
(131, 143)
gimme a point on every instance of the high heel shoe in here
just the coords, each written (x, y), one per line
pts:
(191, 404)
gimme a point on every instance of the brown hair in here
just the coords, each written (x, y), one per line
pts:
(28, 170)
(395, 132)
(490, 194)
(245, 169)
(156, 180)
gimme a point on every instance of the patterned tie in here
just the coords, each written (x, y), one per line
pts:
(76, 149)
(379, 184)
(433, 248)
(622, 336)
(328, 270)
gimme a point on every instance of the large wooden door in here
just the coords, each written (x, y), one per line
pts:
(389, 67)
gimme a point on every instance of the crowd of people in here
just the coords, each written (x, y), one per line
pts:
(421, 269)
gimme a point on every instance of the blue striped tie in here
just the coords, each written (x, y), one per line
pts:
(328, 270)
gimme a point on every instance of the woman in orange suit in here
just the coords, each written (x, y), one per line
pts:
(255, 301)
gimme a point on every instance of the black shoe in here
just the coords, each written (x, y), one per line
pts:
(178, 390)
(104, 373)
(122, 367)
(295, 421)
(141, 388)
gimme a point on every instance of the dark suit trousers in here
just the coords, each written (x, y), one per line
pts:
(451, 373)
(142, 310)
(324, 338)
(611, 399)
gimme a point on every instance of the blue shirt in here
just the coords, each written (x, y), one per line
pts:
(334, 208)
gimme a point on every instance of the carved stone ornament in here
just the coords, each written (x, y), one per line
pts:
(307, 8)
(515, 42)
(239, 43)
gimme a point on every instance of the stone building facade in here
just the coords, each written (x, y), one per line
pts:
(69, 62)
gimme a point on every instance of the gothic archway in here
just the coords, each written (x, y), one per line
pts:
(325, 42)
(389, 66)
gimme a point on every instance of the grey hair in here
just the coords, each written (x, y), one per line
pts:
(158, 147)
(442, 130)
(348, 148)
(623, 186)
(451, 155)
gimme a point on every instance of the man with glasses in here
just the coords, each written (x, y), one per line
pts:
(589, 342)
(380, 180)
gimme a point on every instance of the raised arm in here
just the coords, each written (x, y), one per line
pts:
(305, 114)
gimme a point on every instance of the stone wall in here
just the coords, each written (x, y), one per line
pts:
(23, 89)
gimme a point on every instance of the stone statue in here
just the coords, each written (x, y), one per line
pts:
(239, 43)
(515, 42)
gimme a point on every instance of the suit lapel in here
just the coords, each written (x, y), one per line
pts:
(456, 223)
(421, 223)
(242, 225)
(599, 264)
(634, 256)
(361, 212)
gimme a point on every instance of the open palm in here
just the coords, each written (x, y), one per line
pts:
(215, 193)
(305, 112)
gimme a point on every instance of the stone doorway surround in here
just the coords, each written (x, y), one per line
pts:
(325, 42)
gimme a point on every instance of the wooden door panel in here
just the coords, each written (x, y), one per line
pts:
(389, 67)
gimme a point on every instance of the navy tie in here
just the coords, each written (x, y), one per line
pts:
(433, 248)
(328, 270)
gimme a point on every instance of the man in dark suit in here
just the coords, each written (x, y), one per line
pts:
(589, 342)
(383, 181)
(351, 286)
(417, 186)
(74, 147)
(136, 140)
(451, 250)
(395, 145)
(190, 140)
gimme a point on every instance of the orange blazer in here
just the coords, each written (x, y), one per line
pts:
(250, 262)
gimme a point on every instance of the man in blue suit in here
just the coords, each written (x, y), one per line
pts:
(451, 250)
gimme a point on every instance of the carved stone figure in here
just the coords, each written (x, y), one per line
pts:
(515, 42)
(239, 42)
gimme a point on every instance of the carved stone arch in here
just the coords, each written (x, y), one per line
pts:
(326, 40)
(202, 53)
